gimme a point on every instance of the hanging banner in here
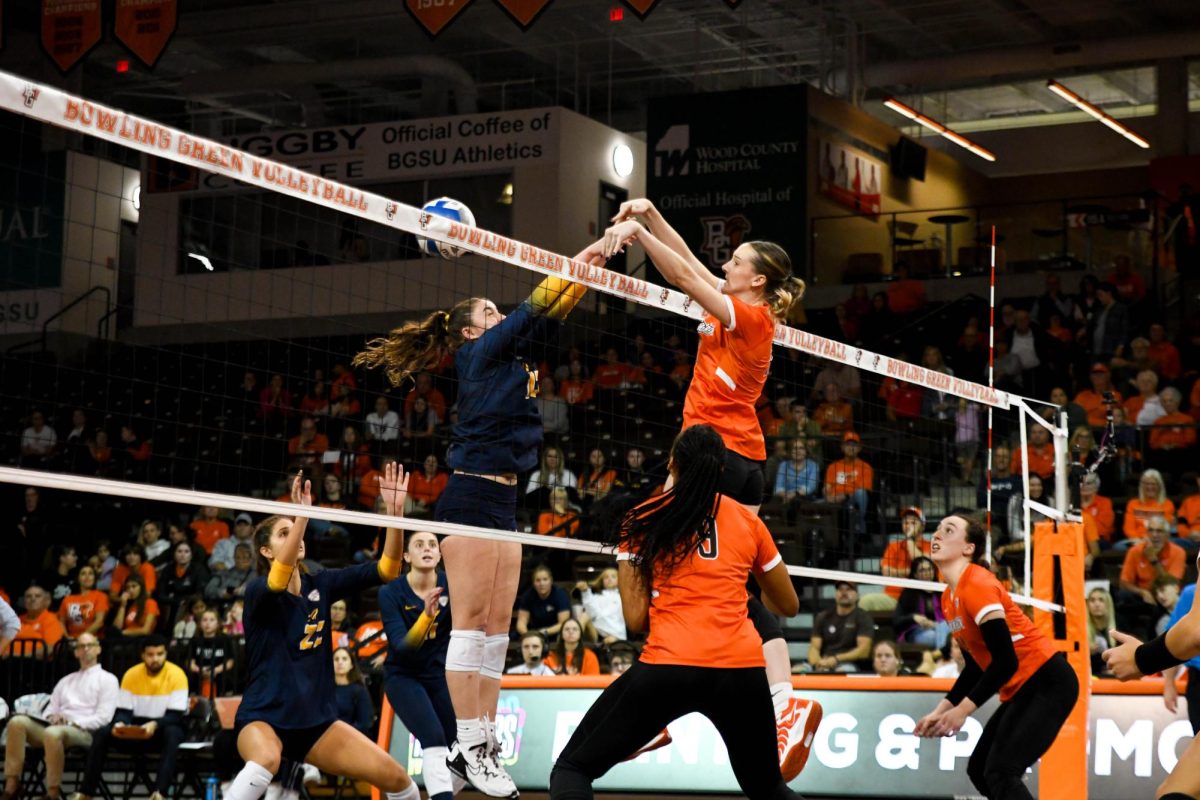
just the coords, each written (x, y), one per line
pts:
(435, 15)
(641, 7)
(524, 12)
(850, 177)
(70, 28)
(145, 27)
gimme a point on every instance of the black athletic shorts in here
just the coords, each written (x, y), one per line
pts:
(766, 623)
(743, 479)
(296, 741)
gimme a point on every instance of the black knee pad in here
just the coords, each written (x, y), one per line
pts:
(568, 783)
(1176, 796)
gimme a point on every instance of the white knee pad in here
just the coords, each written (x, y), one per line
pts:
(465, 651)
(495, 652)
(250, 784)
(437, 774)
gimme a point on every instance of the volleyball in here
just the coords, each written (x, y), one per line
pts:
(451, 209)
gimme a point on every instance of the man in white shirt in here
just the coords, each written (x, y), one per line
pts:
(38, 441)
(533, 645)
(383, 424)
(81, 703)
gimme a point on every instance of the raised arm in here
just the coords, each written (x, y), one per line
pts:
(288, 553)
(393, 488)
(657, 225)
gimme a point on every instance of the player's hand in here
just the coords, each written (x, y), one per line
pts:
(633, 208)
(301, 490)
(1120, 660)
(1170, 696)
(393, 488)
(950, 722)
(925, 724)
(432, 604)
(619, 235)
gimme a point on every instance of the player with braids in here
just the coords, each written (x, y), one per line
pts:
(683, 561)
(497, 436)
(732, 363)
(289, 709)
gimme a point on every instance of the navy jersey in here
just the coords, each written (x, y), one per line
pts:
(499, 429)
(419, 651)
(289, 647)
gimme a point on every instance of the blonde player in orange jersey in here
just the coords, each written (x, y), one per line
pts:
(1005, 653)
(731, 368)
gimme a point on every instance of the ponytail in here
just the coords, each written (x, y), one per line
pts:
(783, 289)
(664, 531)
(417, 346)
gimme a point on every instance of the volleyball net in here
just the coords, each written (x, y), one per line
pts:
(206, 302)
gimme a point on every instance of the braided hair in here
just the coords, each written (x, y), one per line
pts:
(662, 532)
(418, 346)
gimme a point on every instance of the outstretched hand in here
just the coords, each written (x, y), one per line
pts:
(619, 235)
(432, 606)
(301, 490)
(393, 488)
(1120, 659)
(633, 208)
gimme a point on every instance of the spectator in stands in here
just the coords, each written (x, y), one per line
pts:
(210, 660)
(1137, 608)
(1004, 483)
(846, 377)
(1035, 350)
(798, 478)
(1098, 507)
(186, 577)
(134, 457)
(306, 447)
(83, 611)
(82, 702)
(1163, 354)
(543, 607)
(38, 624)
(602, 619)
(905, 295)
(879, 323)
(966, 438)
(75, 452)
(850, 480)
(188, 621)
(421, 420)
(1087, 303)
(533, 646)
(1092, 400)
(345, 404)
(1166, 593)
(950, 661)
(1151, 502)
(383, 424)
(151, 539)
(315, 402)
(886, 660)
(1108, 332)
(423, 387)
(553, 409)
(425, 487)
(551, 473)
(136, 613)
(834, 415)
(799, 425)
(275, 405)
(1126, 367)
(613, 373)
(232, 624)
(105, 564)
(569, 655)
(1102, 621)
(209, 528)
(622, 658)
(1039, 451)
(903, 399)
(842, 635)
(1188, 520)
(341, 626)
(353, 702)
(635, 478)
(969, 356)
(154, 697)
(681, 372)
(223, 552)
(39, 442)
(919, 618)
(576, 389)
(1144, 407)
(560, 519)
(1173, 437)
(229, 583)
(898, 558)
(1016, 515)
(1076, 416)
(98, 458)
(353, 465)
(1057, 330)
(598, 479)
(59, 582)
(1052, 302)
(1008, 372)
(10, 625)
(1130, 287)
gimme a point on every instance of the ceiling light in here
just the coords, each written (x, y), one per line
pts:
(1097, 112)
(939, 128)
(622, 160)
(203, 260)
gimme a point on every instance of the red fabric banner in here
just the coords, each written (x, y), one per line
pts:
(145, 27)
(641, 7)
(70, 28)
(435, 15)
(524, 12)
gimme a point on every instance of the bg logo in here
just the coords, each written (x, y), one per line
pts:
(30, 94)
(672, 155)
(723, 235)
(390, 210)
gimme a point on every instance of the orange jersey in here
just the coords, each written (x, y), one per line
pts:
(834, 418)
(896, 556)
(45, 627)
(590, 665)
(1140, 570)
(1093, 404)
(1137, 512)
(1163, 435)
(843, 477)
(731, 370)
(1041, 460)
(1189, 515)
(548, 521)
(978, 594)
(1101, 510)
(209, 533)
(77, 612)
(121, 574)
(703, 600)
(575, 391)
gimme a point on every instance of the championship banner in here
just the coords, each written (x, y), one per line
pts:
(851, 178)
(70, 28)
(641, 7)
(723, 184)
(435, 15)
(524, 12)
(145, 27)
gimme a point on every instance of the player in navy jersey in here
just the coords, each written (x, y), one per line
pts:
(497, 436)
(416, 615)
(289, 708)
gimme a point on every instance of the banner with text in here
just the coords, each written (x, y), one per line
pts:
(145, 27)
(720, 183)
(70, 28)
(387, 151)
(864, 747)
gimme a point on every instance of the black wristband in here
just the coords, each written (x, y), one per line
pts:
(1154, 656)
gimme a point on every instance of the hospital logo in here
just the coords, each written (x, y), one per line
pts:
(672, 154)
(723, 235)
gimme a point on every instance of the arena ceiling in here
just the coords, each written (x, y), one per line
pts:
(244, 64)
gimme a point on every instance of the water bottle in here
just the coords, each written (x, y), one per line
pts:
(211, 791)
